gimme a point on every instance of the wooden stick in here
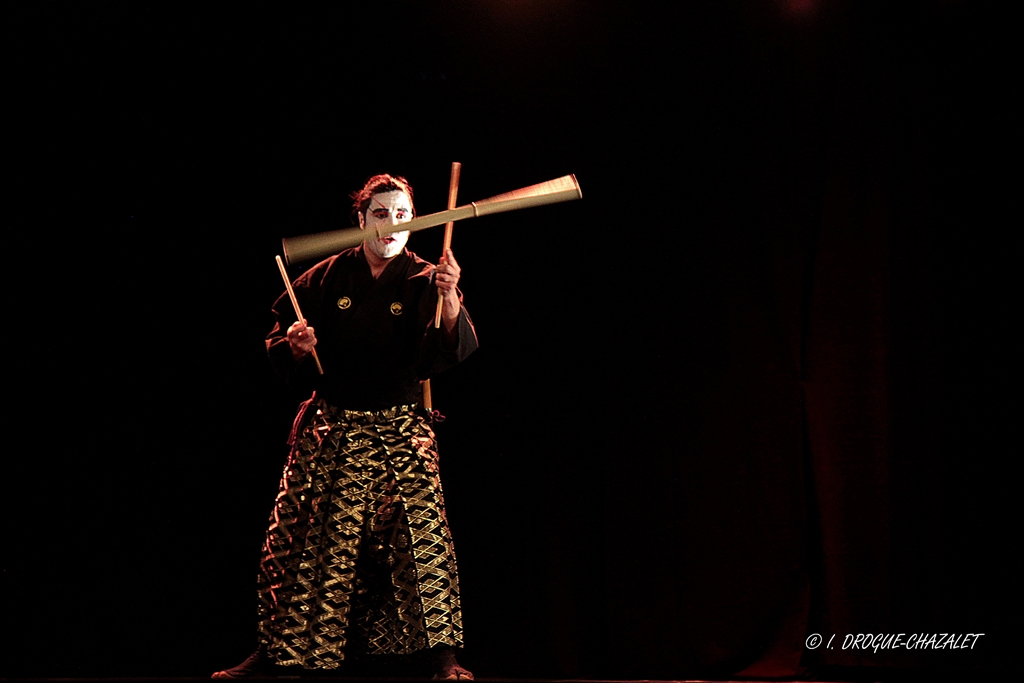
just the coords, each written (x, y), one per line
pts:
(295, 305)
(323, 244)
(428, 401)
(453, 191)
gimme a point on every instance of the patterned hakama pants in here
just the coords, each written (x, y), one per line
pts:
(358, 557)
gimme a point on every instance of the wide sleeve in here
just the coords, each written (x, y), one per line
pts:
(437, 353)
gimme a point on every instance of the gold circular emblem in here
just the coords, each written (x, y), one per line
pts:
(396, 308)
(344, 302)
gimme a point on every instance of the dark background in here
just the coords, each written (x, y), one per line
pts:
(746, 390)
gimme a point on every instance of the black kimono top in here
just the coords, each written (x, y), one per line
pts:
(375, 337)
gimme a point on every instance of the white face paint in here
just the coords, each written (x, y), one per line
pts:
(386, 210)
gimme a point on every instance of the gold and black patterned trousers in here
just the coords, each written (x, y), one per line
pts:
(358, 557)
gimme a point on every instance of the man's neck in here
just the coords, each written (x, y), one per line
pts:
(376, 263)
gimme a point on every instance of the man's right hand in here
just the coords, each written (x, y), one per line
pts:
(301, 339)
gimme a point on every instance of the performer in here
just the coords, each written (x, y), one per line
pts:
(358, 561)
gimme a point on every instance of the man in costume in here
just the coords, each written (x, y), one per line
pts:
(358, 561)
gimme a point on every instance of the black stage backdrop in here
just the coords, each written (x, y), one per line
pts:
(744, 392)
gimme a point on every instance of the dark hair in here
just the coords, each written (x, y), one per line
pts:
(375, 185)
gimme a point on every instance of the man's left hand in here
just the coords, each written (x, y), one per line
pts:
(447, 278)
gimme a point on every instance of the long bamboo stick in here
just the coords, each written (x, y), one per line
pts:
(323, 244)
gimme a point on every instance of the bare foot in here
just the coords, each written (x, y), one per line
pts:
(447, 669)
(256, 666)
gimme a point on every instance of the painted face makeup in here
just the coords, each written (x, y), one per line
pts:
(386, 210)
